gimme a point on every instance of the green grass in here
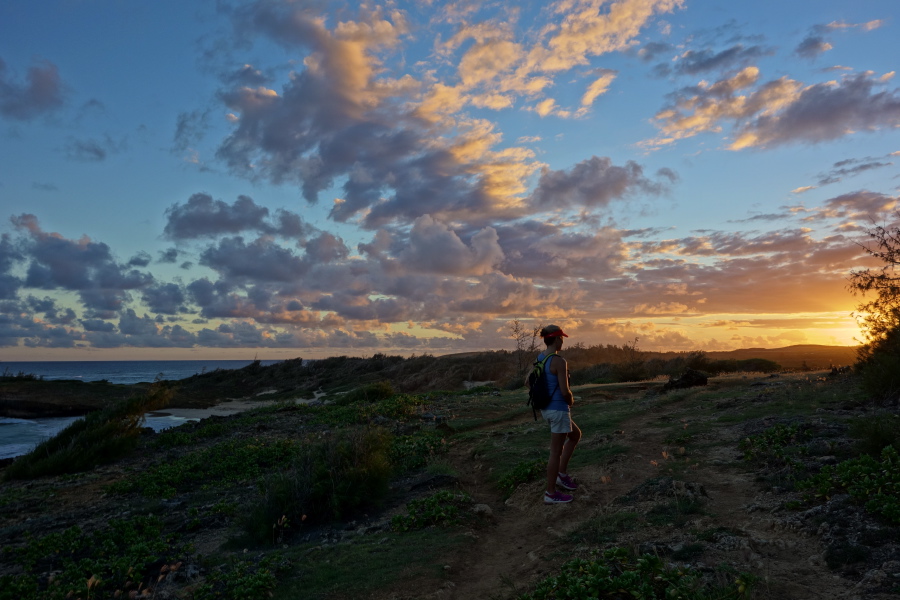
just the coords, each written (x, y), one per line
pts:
(375, 562)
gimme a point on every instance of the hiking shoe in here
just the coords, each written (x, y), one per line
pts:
(566, 482)
(556, 498)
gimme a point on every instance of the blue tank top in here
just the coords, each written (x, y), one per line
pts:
(557, 402)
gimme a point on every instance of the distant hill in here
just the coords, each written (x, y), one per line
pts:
(794, 357)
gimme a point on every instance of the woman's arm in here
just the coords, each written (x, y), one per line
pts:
(561, 369)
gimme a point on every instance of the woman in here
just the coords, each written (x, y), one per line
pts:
(564, 433)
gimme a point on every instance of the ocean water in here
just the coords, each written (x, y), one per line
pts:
(121, 371)
(18, 436)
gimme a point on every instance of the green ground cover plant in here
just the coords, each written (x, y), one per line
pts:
(445, 508)
(90, 565)
(417, 450)
(876, 482)
(524, 472)
(776, 444)
(617, 574)
(228, 462)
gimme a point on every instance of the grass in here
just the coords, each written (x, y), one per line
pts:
(373, 563)
(99, 438)
(604, 529)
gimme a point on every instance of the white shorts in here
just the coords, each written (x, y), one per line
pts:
(560, 420)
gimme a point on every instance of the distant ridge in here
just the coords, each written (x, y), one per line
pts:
(813, 356)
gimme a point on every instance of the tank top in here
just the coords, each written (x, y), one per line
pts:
(557, 401)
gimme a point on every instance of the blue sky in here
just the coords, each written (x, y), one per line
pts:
(275, 178)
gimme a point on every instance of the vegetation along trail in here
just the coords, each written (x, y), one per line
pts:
(780, 485)
(658, 474)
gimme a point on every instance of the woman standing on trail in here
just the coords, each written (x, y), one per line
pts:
(564, 433)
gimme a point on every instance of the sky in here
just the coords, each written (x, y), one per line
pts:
(283, 178)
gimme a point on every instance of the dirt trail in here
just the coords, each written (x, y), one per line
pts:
(528, 539)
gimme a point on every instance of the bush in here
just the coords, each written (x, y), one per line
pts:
(874, 433)
(100, 437)
(323, 482)
(373, 392)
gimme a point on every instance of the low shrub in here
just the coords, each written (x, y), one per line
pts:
(322, 482)
(876, 432)
(100, 437)
(442, 509)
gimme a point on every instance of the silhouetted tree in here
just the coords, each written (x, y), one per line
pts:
(879, 317)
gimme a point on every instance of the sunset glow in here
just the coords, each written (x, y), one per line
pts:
(276, 178)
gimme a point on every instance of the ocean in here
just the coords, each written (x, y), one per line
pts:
(18, 436)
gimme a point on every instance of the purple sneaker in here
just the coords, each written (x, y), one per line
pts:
(566, 482)
(556, 498)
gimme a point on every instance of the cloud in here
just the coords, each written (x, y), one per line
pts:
(692, 62)
(779, 112)
(812, 46)
(93, 150)
(650, 51)
(83, 266)
(850, 168)
(41, 94)
(45, 187)
(435, 248)
(816, 42)
(201, 216)
(591, 183)
(260, 260)
(167, 298)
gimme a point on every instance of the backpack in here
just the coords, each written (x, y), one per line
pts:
(539, 395)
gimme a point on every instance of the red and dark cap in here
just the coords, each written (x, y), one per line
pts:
(551, 331)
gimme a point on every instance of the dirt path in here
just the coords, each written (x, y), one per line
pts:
(528, 539)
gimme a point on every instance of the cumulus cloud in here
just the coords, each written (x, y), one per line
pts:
(592, 182)
(201, 216)
(84, 266)
(435, 248)
(779, 112)
(42, 92)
